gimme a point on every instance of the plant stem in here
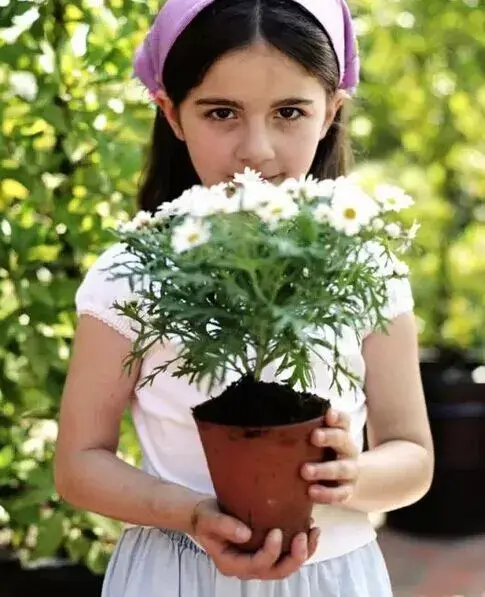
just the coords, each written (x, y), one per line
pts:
(261, 350)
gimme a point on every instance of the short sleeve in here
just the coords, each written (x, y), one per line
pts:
(399, 299)
(99, 291)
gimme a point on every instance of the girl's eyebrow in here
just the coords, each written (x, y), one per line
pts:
(219, 101)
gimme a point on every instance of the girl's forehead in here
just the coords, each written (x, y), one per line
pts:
(257, 69)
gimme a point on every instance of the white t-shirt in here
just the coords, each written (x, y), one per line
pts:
(162, 411)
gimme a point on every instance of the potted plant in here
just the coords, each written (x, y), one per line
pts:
(248, 275)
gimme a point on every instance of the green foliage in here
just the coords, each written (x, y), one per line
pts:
(71, 133)
(418, 120)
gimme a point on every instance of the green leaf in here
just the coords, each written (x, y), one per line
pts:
(51, 535)
(45, 253)
(29, 498)
(109, 527)
(55, 116)
(6, 456)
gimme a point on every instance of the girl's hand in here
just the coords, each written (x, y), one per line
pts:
(219, 534)
(342, 472)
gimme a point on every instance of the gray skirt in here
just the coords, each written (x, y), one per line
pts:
(150, 562)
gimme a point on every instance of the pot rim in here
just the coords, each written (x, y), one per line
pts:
(263, 427)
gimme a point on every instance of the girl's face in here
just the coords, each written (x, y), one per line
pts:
(255, 108)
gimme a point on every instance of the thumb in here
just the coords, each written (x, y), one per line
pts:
(210, 521)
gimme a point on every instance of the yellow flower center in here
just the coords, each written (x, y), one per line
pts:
(350, 213)
(194, 237)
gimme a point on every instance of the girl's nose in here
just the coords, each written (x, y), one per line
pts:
(255, 147)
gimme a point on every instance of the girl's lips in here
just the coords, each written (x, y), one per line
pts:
(276, 178)
(272, 179)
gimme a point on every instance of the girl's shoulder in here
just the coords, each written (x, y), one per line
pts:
(399, 293)
(101, 289)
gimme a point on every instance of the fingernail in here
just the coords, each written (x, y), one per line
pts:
(315, 492)
(242, 534)
(321, 435)
(311, 471)
(277, 535)
(303, 547)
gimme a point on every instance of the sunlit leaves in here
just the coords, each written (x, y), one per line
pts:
(422, 102)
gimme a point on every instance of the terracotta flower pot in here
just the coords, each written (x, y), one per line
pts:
(256, 475)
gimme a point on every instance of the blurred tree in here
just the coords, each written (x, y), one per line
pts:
(72, 131)
(418, 123)
(73, 125)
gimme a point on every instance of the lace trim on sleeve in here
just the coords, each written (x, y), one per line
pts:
(110, 318)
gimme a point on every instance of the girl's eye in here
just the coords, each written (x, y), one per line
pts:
(290, 113)
(221, 114)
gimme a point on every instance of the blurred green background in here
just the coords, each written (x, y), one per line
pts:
(73, 129)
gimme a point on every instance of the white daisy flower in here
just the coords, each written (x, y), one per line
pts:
(223, 201)
(392, 198)
(308, 187)
(191, 233)
(326, 188)
(177, 207)
(322, 213)
(279, 207)
(247, 177)
(203, 202)
(256, 194)
(200, 202)
(378, 224)
(351, 207)
(164, 211)
(393, 230)
(141, 219)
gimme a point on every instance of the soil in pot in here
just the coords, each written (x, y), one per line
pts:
(256, 438)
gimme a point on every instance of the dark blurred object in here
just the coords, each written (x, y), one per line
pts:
(55, 579)
(455, 396)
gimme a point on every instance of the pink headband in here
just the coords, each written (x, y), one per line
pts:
(176, 15)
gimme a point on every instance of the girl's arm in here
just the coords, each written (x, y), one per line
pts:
(88, 474)
(398, 468)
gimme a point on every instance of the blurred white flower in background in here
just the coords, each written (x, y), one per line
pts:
(24, 84)
(79, 40)
(21, 23)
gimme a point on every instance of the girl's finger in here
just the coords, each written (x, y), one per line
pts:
(337, 439)
(263, 561)
(336, 470)
(210, 522)
(330, 495)
(227, 560)
(313, 541)
(335, 418)
(293, 561)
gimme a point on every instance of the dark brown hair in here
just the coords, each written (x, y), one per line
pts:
(221, 27)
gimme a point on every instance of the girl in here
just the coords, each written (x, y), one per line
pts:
(259, 84)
